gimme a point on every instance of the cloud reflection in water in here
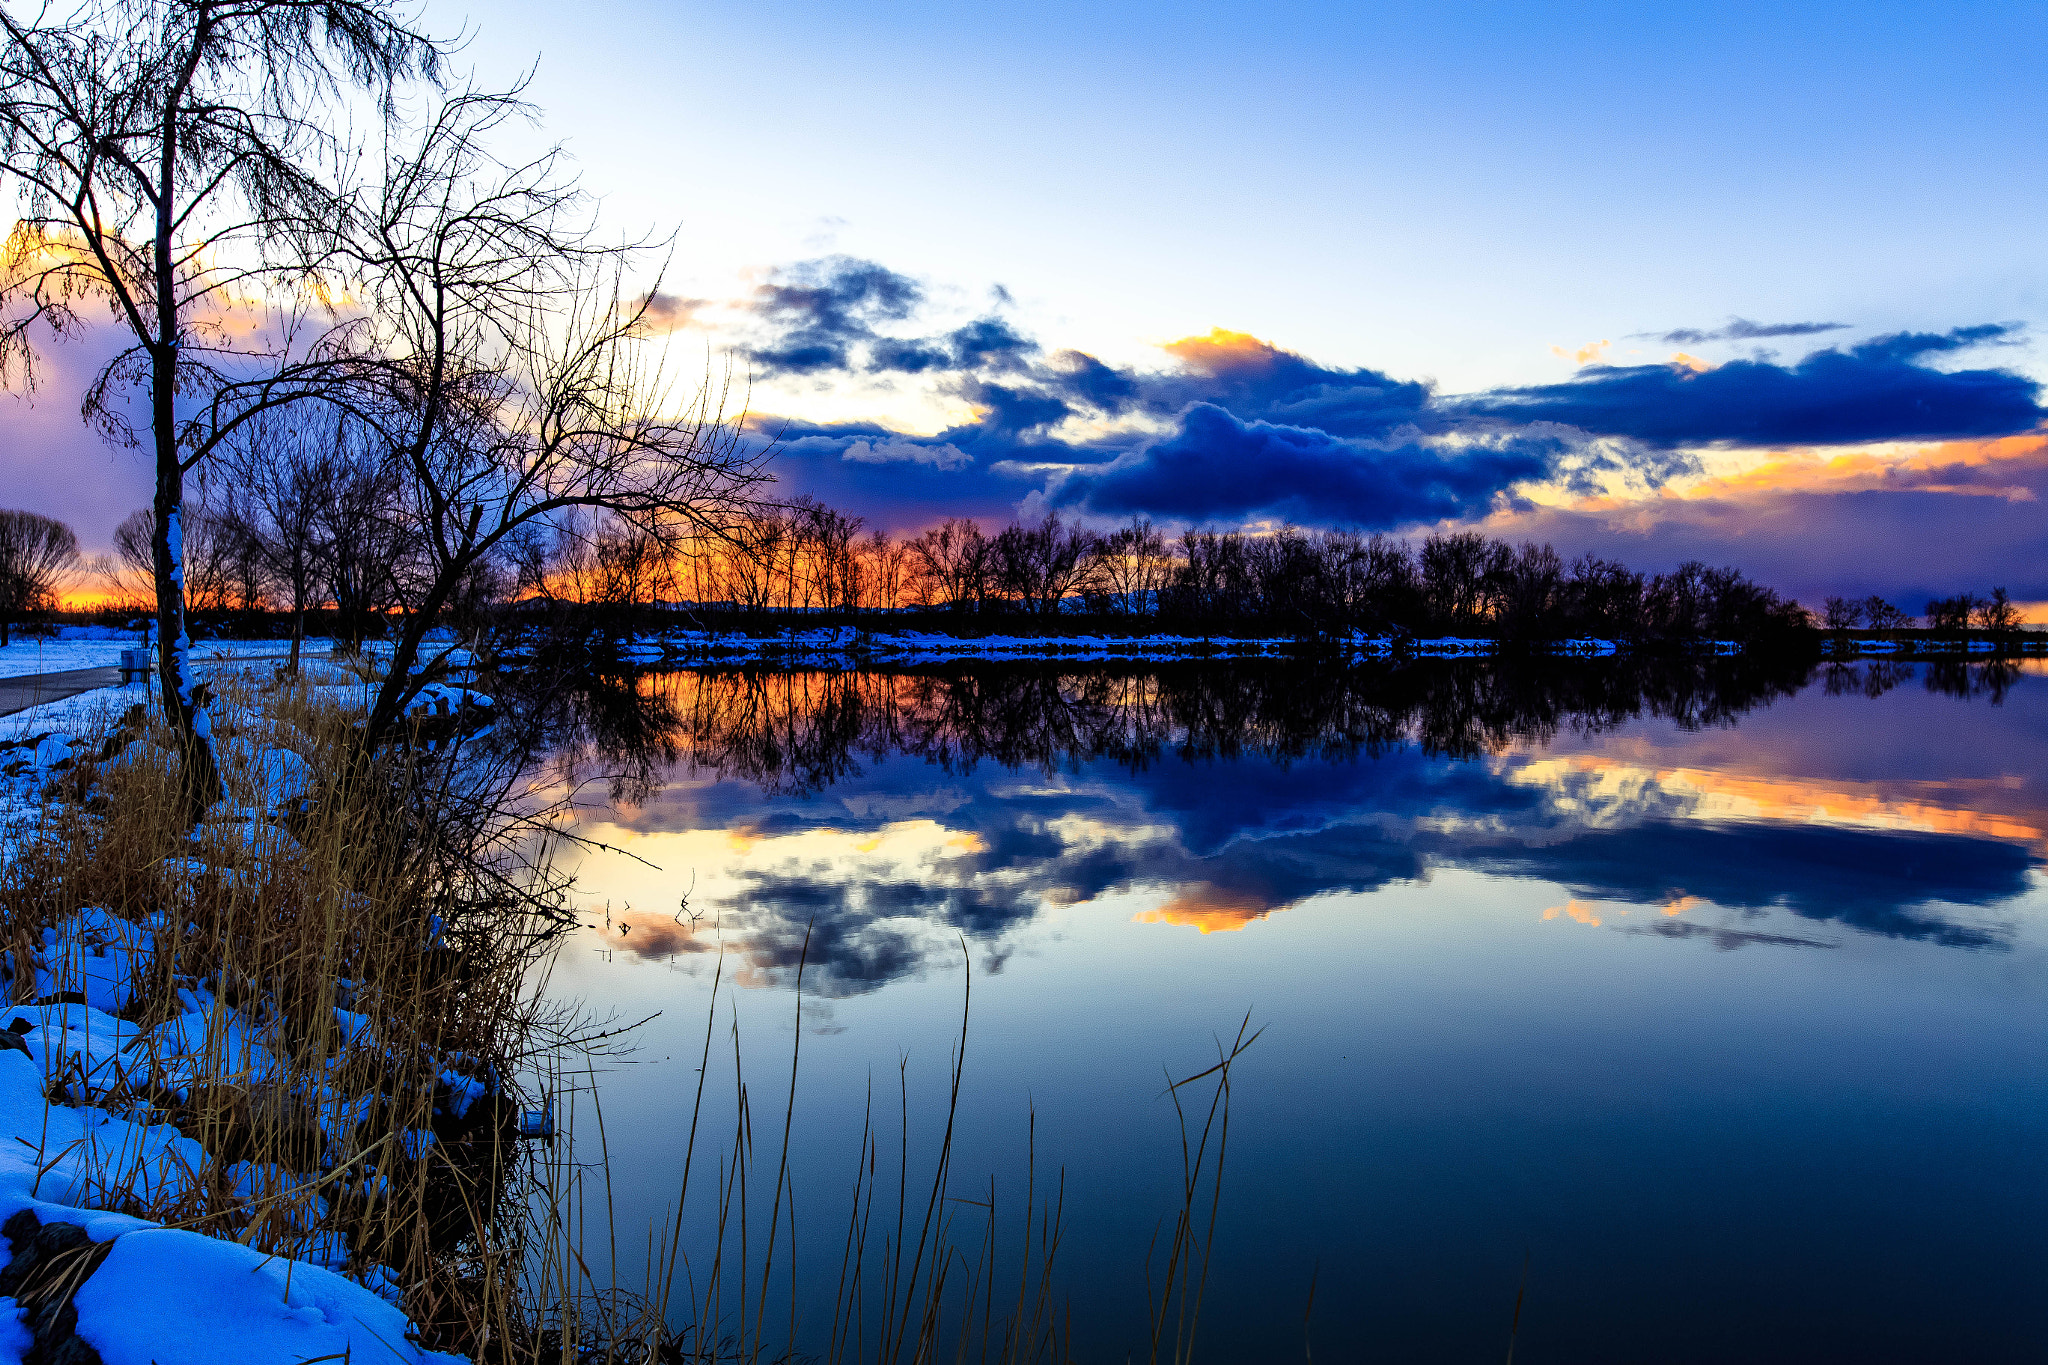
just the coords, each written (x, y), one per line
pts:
(886, 813)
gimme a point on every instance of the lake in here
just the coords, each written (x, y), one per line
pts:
(1674, 1011)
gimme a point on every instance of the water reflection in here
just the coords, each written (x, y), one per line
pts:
(884, 813)
(1710, 990)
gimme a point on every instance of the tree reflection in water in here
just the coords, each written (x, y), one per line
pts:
(799, 732)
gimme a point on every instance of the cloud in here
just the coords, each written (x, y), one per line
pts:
(1873, 392)
(819, 312)
(1854, 524)
(827, 317)
(1257, 380)
(1584, 355)
(901, 450)
(1727, 940)
(1220, 466)
(1237, 428)
(671, 312)
(1742, 329)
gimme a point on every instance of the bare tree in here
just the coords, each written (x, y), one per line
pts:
(511, 373)
(830, 561)
(1952, 613)
(288, 473)
(953, 560)
(206, 565)
(1042, 564)
(171, 158)
(36, 552)
(364, 535)
(884, 570)
(1997, 612)
(1842, 613)
(131, 569)
(1133, 564)
(1882, 615)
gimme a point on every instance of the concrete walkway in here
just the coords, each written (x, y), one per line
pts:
(18, 694)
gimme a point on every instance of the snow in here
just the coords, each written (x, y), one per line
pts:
(166, 1298)
(912, 647)
(165, 1295)
(25, 655)
(901, 647)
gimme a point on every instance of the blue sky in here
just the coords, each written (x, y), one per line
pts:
(1438, 190)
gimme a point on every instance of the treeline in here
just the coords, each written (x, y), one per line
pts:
(1996, 613)
(314, 528)
(808, 557)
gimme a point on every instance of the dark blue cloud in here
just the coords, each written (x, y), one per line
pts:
(819, 312)
(1254, 430)
(1218, 466)
(1262, 382)
(825, 316)
(1742, 329)
(1872, 392)
(1888, 882)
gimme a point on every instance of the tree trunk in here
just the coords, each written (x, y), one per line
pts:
(392, 696)
(182, 705)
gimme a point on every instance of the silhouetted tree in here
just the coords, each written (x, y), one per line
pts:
(1879, 614)
(1997, 612)
(507, 369)
(1132, 566)
(36, 552)
(1040, 566)
(1951, 613)
(171, 157)
(953, 563)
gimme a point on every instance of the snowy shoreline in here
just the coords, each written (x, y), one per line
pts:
(82, 1153)
(850, 647)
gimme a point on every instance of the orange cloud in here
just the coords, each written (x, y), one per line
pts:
(1209, 908)
(1574, 909)
(648, 935)
(1584, 355)
(1947, 467)
(1993, 807)
(1222, 349)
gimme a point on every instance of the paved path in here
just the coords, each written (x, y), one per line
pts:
(18, 694)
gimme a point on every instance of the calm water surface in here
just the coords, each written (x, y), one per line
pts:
(1710, 1004)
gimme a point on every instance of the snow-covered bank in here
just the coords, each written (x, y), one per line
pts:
(2029, 644)
(348, 684)
(152, 1294)
(847, 646)
(133, 1234)
(81, 1161)
(76, 647)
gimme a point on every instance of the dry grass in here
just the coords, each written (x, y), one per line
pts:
(371, 941)
(918, 1274)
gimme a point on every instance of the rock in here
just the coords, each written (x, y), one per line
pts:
(50, 1261)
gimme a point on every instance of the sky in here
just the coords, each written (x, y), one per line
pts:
(1754, 284)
